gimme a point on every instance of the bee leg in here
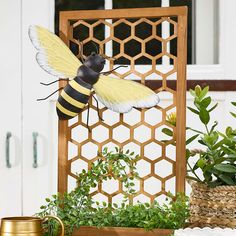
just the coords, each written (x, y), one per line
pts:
(87, 124)
(100, 118)
(41, 99)
(110, 71)
(54, 82)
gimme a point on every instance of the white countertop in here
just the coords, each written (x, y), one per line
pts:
(205, 232)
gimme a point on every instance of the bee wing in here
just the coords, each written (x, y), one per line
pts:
(121, 95)
(53, 55)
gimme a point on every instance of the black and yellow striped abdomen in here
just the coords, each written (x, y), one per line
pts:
(73, 99)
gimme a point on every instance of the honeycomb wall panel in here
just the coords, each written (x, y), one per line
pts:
(162, 164)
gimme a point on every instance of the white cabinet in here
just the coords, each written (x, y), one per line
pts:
(23, 187)
(10, 103)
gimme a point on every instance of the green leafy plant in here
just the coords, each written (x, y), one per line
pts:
(216, 159)
(78, 209)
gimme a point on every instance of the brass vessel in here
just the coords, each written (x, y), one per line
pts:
(22, 226)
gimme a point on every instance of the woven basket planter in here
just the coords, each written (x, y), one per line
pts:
(213, 207)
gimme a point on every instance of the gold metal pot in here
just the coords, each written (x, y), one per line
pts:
(22, 226)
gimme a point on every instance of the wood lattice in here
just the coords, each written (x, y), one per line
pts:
(140, 130)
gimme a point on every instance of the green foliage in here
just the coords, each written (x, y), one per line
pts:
(77, 208)
(217, 159)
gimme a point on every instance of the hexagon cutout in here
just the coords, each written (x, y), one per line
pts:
(164, 133)
(80, 32)
(152, 185)
(136, 186)
(171, 152)
(162, 199)
(153, 116)
(110, 186)
(132, 147)
(152, 151)
(122, 31)
(72, 121)
(163, 168)
(72, 183)
(118, 199)
(92, 190)
(74, 47)
(116, 47)
(143, 30)
(133, 117)
(110, 146)
(166, 99)
(90, 47)
(143, 168)
(153, 76)
(93, 116)
(124, 61)
(72, 150)
(99, 31)
(78, 165)
(142, 133)
(121, 133)
(171, 24)
(166, 67)
(110, 117)
(139, 65)
(100, 198)
(141, 198)
(89, 150)
(100, 133)
(132, 48)
(79, 133)
(153, 47)
(170, 185)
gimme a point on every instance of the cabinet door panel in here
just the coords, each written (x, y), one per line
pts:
(40, 117)
(10, 107)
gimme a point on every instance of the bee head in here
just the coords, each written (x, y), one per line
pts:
(95, 62)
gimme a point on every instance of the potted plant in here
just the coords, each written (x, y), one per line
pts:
(82, 216)
(213, 172)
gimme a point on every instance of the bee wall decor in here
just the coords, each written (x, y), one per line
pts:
(118, 95)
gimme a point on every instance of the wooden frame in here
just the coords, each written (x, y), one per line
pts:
(179, 99)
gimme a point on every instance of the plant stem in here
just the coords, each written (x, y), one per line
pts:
(207, 130)
(193, 172)
(199, 132)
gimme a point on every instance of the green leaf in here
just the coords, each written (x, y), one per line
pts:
(211, 109)
(168, 132)
(233, 103)
(193, 110)
(192, 92)
(198, 90)
(204, 92)
(188, 141)
(206, 102)
(204, 116)
(227, 179)
(233, 114)
(225, 168)
(213, 126)
(201, 163)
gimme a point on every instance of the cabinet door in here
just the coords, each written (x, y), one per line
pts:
(10, 106)
(40, 117)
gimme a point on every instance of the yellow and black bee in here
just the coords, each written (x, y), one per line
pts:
(119, 95)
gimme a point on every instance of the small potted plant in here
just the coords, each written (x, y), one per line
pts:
(211, 168)
(83, 216)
